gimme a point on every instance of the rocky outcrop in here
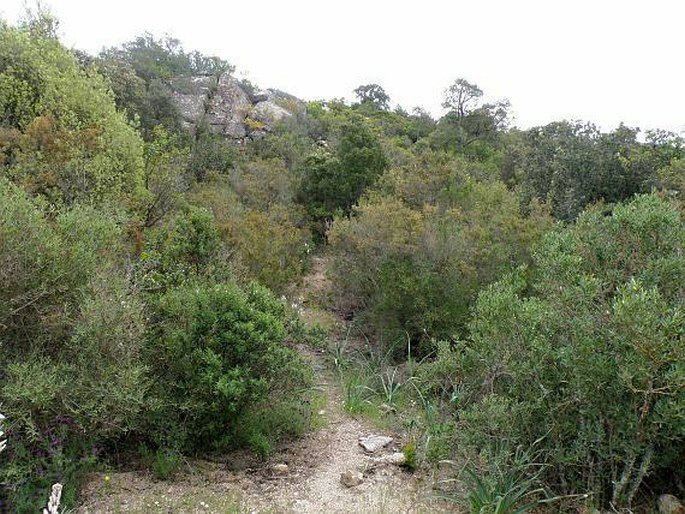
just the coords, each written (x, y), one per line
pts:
(190, 95)
(231, 108)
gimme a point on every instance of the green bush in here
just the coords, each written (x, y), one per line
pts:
(62, 136)
(217, 354)
(72, 378)
(259, 223)
(584, 355)
(412, 273)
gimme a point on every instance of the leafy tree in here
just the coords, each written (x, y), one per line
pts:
(468, 125)
(140, 74)
(164, 58)
(461, 97)
(336, 181)
(421, 124)
(572, 164)
(373, 94)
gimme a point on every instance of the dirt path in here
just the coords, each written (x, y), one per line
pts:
(310, 481)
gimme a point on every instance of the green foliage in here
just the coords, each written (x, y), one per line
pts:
(216, 353)
(166, 162)
(140, 74)
(164, 58)
(469, 127)
(259, 223)
(411, 462)
(374, 95)
(164, 463)
(61, 135)
(211, 153)
(572, 164)
(188, 247)
(503, 492)
(413, 272)
(332, 182)
(590, 365)
(70, 334)
(288, 141)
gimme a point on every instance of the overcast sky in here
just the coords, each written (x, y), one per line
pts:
(605, 61)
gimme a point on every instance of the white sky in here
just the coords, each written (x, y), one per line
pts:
(600, 60)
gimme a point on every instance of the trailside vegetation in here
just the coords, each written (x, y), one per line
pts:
(520, 291)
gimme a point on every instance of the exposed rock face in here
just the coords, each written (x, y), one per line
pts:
(190, 94)
(269, 113)
(229, 106)
(229, 109)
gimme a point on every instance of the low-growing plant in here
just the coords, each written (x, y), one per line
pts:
(163, 462)
(356, 393)
(411, 461)
(501, 492)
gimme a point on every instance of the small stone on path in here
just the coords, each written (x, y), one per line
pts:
(398, 459)
(385, 408)
(280, 469)
(669, 504)
(351, 478)
(373, 443)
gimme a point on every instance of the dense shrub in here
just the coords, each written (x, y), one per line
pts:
(217, 355)
(185, 249)
(334, 181)
(70, 370)
(584, 360)
(259, 223)
(413, 272)
(60, 133)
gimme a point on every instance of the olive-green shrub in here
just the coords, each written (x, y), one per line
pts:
(583, 356)
(412, 272)
(217, 356)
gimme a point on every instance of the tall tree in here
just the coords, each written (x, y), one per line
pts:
(373, 94)
(461, 97)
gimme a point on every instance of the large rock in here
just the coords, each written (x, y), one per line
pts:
(269, 113)
(190, 95)
(229, 106)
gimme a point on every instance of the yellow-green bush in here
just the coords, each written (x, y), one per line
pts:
(62, 136)
(414, 272)
(72, 376)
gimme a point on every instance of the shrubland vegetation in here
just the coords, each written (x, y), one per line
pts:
(521, 291)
